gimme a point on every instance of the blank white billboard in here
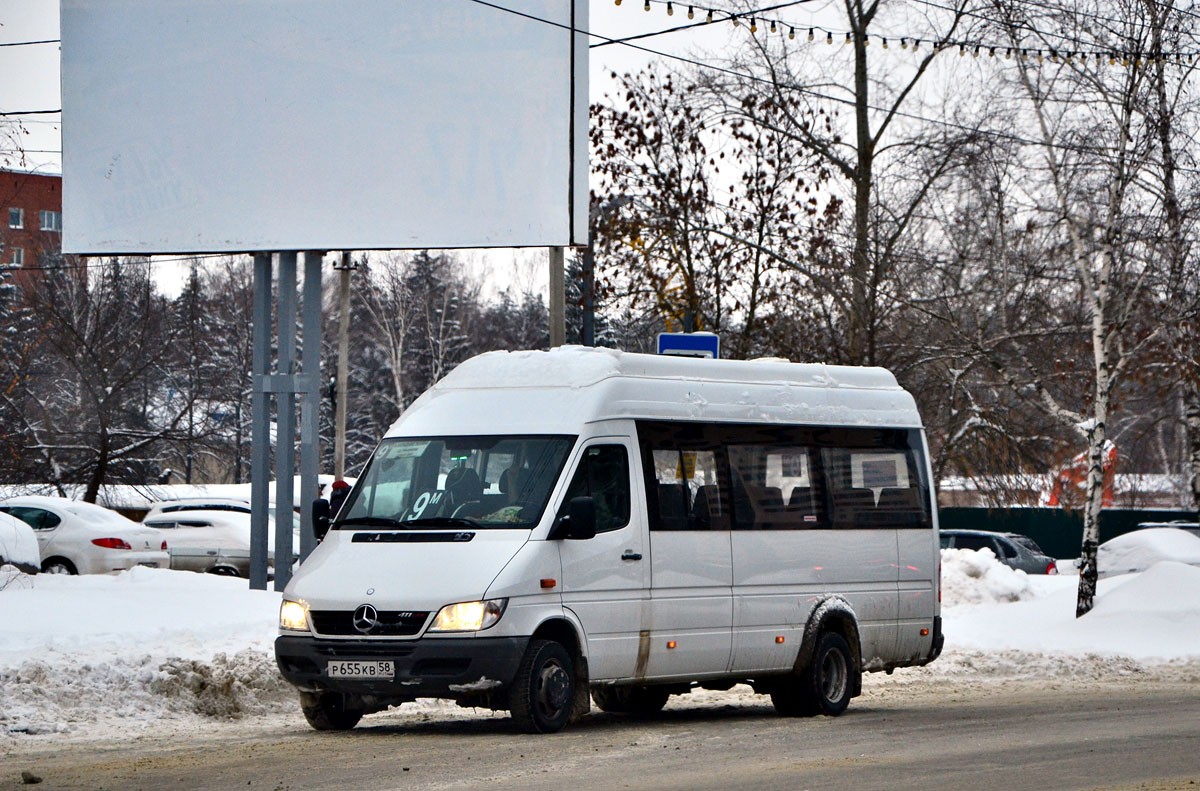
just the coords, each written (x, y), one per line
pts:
(196, 126)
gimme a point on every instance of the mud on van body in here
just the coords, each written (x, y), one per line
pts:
(541, 527)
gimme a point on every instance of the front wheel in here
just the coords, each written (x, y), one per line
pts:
(329, 712)
(543, 691)
(826, 684)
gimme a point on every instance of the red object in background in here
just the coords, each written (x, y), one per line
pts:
(1075, 474)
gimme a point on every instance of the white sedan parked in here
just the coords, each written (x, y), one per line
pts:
(81, 538)
(212, 540)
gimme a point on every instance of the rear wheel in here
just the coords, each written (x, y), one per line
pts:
(59, 566)
(630, 700)
(329, 712)
(543, 691)
(826, 684)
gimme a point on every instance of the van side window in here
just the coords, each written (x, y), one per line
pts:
(774, 488)
(603, 475)
(872, 488)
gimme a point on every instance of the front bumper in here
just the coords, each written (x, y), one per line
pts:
(460, 669)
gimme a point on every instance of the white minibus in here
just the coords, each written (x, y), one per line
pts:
(541, 530)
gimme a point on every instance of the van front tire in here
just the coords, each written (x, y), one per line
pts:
(825, 686)
(328, 712)
(543, 692)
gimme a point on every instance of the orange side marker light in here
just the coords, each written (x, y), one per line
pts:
(670, 644)
(549, 583)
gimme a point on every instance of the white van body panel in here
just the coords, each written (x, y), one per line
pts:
(781, 576)
(339, 572)
(602, 585)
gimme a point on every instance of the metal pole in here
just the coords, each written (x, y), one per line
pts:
(260, 440)
(343, 373)
(285, 420)
(310, 405)
(589, 294)
(558, 299)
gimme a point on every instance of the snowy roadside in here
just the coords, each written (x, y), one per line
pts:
(148, 651)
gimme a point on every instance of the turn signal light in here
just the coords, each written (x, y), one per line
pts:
(670, 644)
(779, 638)
(111, 543)
(164, 546)
(924, 632)
(549, 583)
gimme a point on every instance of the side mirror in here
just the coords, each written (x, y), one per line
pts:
(582, 513)
(578, 523)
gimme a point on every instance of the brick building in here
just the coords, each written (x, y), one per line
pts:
(30, 218)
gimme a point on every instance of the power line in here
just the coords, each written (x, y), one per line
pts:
(29, 112)
(30, 43)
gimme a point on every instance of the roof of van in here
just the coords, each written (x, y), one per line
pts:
(556, 391)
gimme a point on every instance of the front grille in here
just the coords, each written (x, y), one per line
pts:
(392, 623)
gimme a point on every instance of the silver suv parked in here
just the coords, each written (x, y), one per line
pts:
(1012, 549)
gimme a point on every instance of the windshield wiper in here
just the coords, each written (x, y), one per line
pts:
(370, 521)
(439, 521)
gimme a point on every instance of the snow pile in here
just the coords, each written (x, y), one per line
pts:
(1140, 549)
(134, 648)
(1153, 616)
(976, 577)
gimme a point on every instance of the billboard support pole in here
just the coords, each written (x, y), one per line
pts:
(310, 409)
(260, 440)
(285, 420)
(558, 299)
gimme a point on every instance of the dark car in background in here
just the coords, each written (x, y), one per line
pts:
(1011, 549)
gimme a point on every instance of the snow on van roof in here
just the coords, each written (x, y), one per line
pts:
(556, 391)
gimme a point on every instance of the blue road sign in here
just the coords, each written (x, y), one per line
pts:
(690, 344)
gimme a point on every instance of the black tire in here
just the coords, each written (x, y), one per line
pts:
(543, 692)
(329, 713)
(58, 566)
(630, 700)
(224, 571)
(825, 686)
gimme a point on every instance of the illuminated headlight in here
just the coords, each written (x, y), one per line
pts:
(293, 616)
(471, 616)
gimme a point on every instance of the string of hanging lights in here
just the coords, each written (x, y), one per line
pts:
(756, 21)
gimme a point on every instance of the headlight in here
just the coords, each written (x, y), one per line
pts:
(471, 616)
(293, 616)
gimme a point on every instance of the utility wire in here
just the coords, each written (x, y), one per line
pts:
(29, 43)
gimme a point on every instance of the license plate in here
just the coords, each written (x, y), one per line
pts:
(351, 669)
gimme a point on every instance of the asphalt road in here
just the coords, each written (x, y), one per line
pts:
(996, 736)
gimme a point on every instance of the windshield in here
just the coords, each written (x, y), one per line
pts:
(483, 481)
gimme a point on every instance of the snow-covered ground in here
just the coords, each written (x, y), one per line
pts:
(150, 649)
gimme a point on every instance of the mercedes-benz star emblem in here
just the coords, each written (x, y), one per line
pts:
(366, 618)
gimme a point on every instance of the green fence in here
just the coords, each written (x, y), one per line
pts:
(1059, 533)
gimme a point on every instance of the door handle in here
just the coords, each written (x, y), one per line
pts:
(629, 554)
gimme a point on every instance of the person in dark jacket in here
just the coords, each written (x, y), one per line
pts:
(320, 514)
(337, 497)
